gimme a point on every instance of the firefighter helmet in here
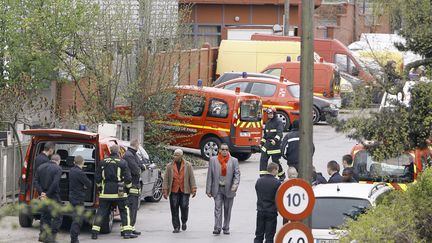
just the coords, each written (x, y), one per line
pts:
(271, 110)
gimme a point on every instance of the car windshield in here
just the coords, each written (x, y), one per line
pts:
(250, 110)
(294, 90)
(331, 213)
(400, 169)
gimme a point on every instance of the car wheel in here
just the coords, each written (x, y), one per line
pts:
(242, 156)
(157, 191)
(107, 223)
(210, 147)
(316, 117)
(285, 119)
(25, 220)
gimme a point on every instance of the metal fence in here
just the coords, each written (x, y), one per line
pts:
(10, 172)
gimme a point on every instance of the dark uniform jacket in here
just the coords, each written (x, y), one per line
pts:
(318, 178)
(291, 147)
(47, 179)
(266, 188)
(109, 173)
(135, 167)
(273, 130)
(335, 178)
(40, 159)
(79, 183)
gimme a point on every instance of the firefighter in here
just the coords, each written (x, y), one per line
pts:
(135, 167)
(79, 184)
(113, 179)
(47, 184)
(270, 143)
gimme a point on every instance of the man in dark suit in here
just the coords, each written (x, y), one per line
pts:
(333, 169)
(79, 184)
(266, 188)
(43, 157)
(47, 184)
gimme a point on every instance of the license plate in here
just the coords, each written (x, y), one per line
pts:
(326, 241)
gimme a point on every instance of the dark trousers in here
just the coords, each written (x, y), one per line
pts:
(264, 162)
(77, 221)
(265, 227)
(133, 203)
(50, 222)
(104, 209)
(179, 200)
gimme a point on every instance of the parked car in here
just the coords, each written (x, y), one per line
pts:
(336, 202)
(151, 178)
(68, 144)
(284, 96)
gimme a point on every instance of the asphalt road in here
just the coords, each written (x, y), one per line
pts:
(154, 219)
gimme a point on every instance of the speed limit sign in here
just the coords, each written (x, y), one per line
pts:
(294, 232)
(295, 199)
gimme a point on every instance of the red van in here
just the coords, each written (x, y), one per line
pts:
(204, 117)
(331, 50)
(68, 144)
(326, 76)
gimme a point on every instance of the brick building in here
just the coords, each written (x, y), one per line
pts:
(214, 20)
(211, 18)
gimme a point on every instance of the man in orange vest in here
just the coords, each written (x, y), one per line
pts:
(179, 184)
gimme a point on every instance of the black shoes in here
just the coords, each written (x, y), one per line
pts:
(129, 235)
(217, 232)
(226, 232)
(176, 230)
(136, 232)
(184, 227)
(94, 236)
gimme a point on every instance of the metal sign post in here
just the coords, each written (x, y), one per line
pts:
(295, 200)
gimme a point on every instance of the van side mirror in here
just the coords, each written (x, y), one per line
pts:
(354, 71)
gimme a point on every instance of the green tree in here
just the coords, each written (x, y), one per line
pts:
(399, 217)
(397, 129)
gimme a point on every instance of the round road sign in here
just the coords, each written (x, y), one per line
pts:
(295, 199)
(294, 232)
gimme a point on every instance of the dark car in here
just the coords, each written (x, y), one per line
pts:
(322, 107)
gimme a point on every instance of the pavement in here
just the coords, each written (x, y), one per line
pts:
(154, 219)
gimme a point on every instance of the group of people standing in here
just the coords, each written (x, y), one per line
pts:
(117, 181)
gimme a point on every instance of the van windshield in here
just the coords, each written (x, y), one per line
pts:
(250, 110)
(399, 169)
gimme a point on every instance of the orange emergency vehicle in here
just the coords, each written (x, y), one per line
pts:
(396, 172)
(204, 117)
(326, 76)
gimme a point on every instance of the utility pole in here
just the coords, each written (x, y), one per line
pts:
(286, 18)
(306, 91)
(355, 21)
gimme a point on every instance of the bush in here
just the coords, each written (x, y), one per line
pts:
(400, 217)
